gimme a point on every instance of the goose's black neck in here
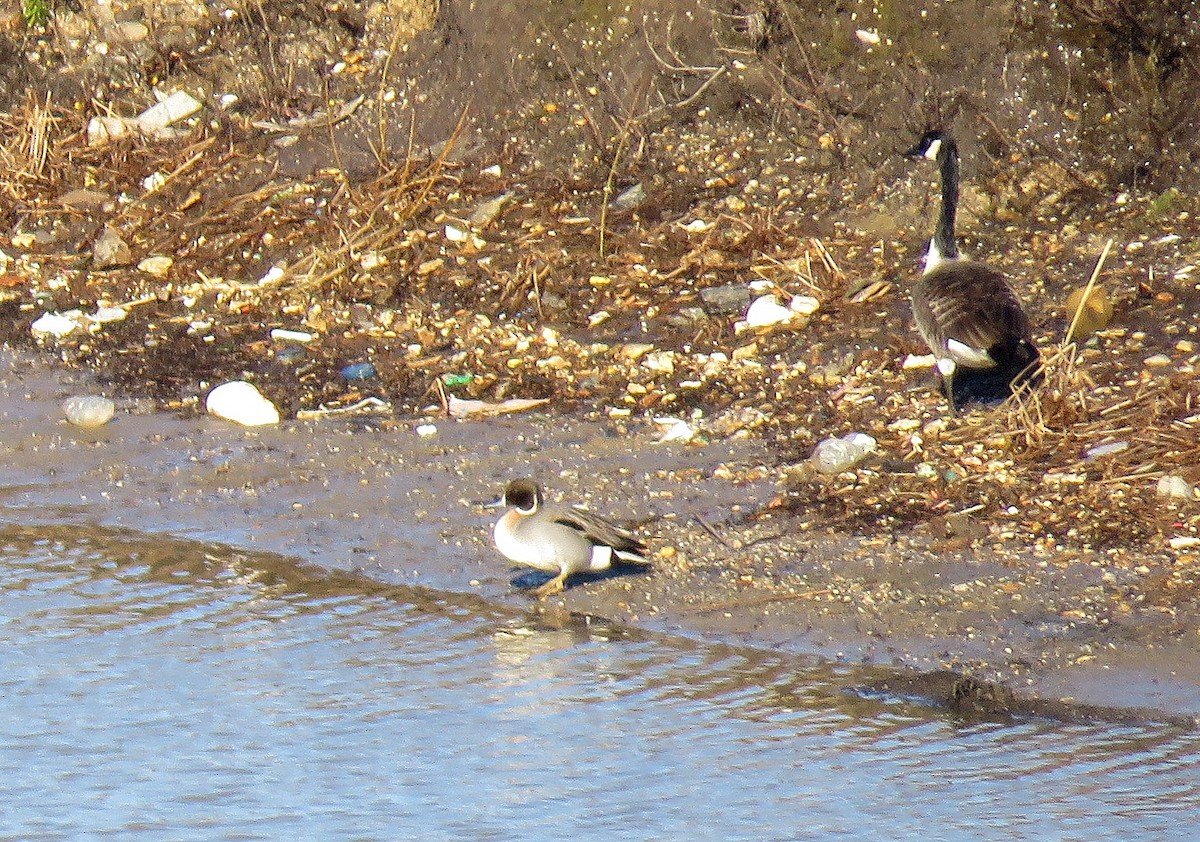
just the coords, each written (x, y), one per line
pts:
(943, 237)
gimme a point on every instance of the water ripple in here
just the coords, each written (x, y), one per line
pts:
(162, 690)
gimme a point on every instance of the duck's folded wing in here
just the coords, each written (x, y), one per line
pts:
(601, 531)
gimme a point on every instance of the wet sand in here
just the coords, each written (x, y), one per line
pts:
(381, 500)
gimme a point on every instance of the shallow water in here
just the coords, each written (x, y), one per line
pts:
(163, 689)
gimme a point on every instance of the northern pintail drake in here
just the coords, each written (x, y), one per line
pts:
(965, 310)
(562, 540)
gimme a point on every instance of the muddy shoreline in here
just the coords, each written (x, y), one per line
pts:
(399, 508)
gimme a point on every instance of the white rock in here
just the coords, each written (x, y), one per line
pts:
(1174, 487)
(272, 275)
(88, 410)
(660, 361)
(426, 430)
(674, 429)
(805, 305)
(100, 130)
(832, 456)
(57, 325)
(924, 361)
(157, 265)
(1106, 449)
(103, 315)
(178, 106)
(284, 335)
(766, 310)
(241, 402)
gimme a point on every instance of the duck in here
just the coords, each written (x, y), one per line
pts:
(965, 310)
(563, 540)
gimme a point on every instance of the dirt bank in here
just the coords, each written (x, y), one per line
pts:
(574, 207)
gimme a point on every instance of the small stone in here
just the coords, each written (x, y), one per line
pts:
(280, 334)
(1174, 488)
(832, 456)
(674, 429)
(1157, 361)
(1106, 449)
(156, 265)
(733, 298)
(242, 403)
(765, 311)
(630, 198)
(426, 430)
(634, 351)
(359, 371)
(110, 250)
(662, 362)
(178, 106)
(57, 325)
(104, 315)
(88, 410)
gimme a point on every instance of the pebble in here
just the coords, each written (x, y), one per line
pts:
(630, 198)
(156, 265)
(1105, 449)
(359, 371)
(104, 315)
(832, 456)
(733, 298)
(426, 430)
(1175, 488)
(673, 429)
(110, 250)
(765, 311)
(88, 410)
(242, 403)
(57, 325)
(280, 334)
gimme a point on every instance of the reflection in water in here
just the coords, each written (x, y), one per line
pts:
(156, 691)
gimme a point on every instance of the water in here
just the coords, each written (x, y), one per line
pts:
(168, 690)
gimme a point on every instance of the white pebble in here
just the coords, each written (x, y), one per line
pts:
(57, 325)
(832, 456)
(242, 403)
(88, 410)
(426, 430)
(1105, 449)
(284, 335)
(1174, 487)
(765, 311)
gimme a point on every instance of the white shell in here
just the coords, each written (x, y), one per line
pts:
(242, 403)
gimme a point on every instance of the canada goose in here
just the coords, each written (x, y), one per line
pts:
(966, 312)
(560, 540)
